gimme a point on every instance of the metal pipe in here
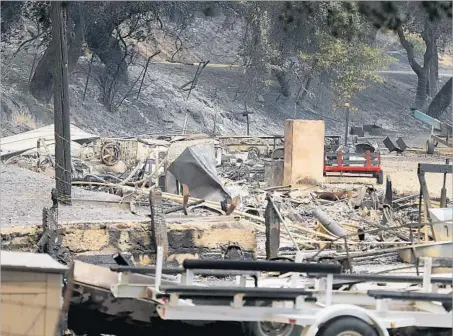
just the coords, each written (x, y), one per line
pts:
(346, 105)
(159, 264)
(329, 224)
(428, 265)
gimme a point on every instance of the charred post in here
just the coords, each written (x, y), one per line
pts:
(272, 223)
(61, 103)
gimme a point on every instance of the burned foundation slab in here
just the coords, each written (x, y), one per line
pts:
(188, 237)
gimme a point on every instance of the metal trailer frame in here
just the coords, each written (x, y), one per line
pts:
(422, 169)
(342, 164)
(310, 309)
(441, 132)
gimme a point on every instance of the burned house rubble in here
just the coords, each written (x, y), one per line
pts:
(224, 183)
(302, 195)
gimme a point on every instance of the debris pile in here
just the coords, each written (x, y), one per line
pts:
(201, 177)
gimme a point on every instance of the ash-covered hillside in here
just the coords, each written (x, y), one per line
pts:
(224, 90)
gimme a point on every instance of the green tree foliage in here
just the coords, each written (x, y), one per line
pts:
(352, 65)
(327, 38)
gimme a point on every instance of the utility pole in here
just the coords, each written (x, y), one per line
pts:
(61, 102)
(346, 105)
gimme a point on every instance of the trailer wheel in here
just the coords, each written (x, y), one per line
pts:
(430, 146)
(264, 328)
(272, 329)
(380, 177)
(347, 326)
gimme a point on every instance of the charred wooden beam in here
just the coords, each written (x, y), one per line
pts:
(272, 223)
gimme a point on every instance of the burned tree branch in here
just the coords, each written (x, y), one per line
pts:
(144, 72)
(194, 81)
(128, 93)
(88, 76)
(409, 47)
(178, 48)
(26, 42)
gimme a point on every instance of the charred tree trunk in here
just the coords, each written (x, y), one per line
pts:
(433, 76)
(41, 84)
(422, 88)
(423, 72)
(107, 48)
(283, 80)
(272, 223)
(99, 39)
(441, 101)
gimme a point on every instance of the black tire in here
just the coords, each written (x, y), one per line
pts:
(270, 329)
(380, 177)
(347, 325)
(430, 146)
(261, 329)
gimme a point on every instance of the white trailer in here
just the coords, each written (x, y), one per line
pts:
(296, 311)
